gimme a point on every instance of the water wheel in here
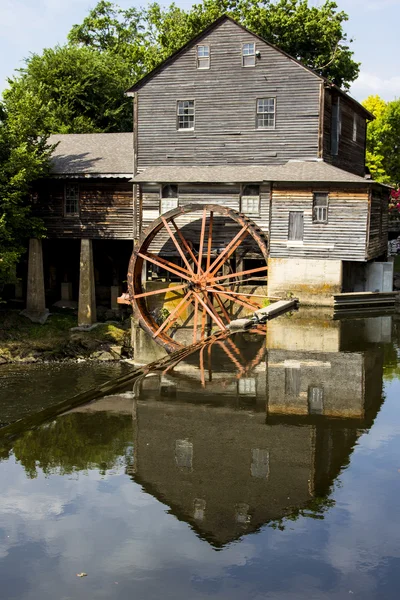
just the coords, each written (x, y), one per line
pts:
(199, 268)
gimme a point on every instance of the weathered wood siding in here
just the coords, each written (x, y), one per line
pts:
(223, 230)
(225, 107)
(378, 223)
(343, 237)
(106, 209)
(351, 154)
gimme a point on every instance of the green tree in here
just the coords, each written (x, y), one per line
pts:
(24, 158)
(79, 90)
(383, 140)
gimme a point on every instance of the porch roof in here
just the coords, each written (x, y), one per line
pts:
(92, 155)
(293, 171)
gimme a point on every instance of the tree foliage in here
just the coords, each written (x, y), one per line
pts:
(383, 135)
(24, 158)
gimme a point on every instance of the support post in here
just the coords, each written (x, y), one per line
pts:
(87, 297)
(36, 309)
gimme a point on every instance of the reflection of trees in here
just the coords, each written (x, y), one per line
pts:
(76, 442)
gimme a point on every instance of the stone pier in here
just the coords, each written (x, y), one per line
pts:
(35, 309)
(87, 297)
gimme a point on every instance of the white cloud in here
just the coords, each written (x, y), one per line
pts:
(370, 83)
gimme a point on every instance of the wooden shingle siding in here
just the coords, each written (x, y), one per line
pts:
(343, 237)
(225, 107)
(379, 221)
(351, 154)
(225, 195)
(106, 209)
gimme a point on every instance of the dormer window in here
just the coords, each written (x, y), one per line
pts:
(185, 114)
(169, 197)
(203, 57)
(249, 55)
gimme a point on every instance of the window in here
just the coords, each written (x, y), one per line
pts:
(292, 382)
(355, 125)
(315, 400)
(265, 113)
(185, 114)
(203, 57)
(336, 127)
(247, 386)
(169, 198)
(320, 207)
(71, 200)
(250, 200)
(296, 226)
(249, 55)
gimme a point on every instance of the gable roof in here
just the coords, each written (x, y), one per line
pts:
(92, 155)
(139, 84)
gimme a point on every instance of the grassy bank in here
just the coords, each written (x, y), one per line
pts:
(23, 341)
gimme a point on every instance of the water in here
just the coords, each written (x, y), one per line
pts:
(250, 471)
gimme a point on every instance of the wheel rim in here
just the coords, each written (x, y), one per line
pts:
(203, 287)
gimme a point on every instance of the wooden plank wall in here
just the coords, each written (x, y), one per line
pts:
(379, 222)
(343, 237)
(351, 155)
(106, 209)
(224, 230)
(225, 107)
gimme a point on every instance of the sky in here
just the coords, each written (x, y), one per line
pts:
(28, 26)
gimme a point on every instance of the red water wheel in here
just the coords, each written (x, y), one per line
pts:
(194, 246)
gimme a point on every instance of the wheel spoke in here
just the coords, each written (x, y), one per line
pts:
(234, 298)
(228, 251)
(209, 243)
(171, 233)
(203, 229)
(222, 307)
(165, 264)
(162, 291)
(240, 273)
(240, 295)
(184, 242)
(196, 314)
(211, 313)
(174, 315)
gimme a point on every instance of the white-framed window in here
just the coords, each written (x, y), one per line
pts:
(247, 386)
(185, 114)
(355, 127)
(250, 200)
(203, 57)
(71, 199)
(265, 113)
(249, 55)
(169, 197)
(320, 207)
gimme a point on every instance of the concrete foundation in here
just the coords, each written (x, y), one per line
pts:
(36, 309)
(312, 281)
(87, 300)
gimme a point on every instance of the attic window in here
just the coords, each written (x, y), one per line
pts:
(203, 57)
(185, 114)
(249, 55)
(169, 198)
(336, 127)
(71, 200)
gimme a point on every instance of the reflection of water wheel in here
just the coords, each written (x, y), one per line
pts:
(201, 269)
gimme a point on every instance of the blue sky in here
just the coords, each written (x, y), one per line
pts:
(30, 25)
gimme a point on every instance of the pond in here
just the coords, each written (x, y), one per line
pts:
(262, 467)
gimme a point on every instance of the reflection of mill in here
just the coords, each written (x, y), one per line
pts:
(239, 452)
